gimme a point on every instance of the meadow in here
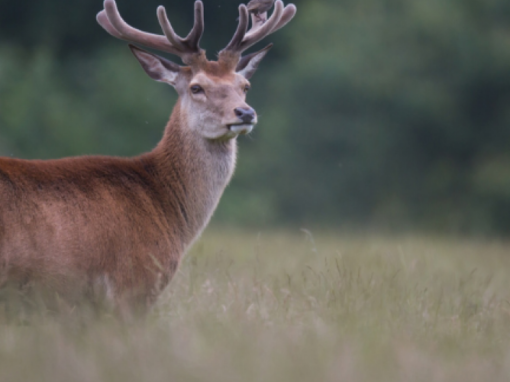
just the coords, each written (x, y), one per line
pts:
(291, 306)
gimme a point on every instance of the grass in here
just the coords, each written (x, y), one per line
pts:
(249, 306)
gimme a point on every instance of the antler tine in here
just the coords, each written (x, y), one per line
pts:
(288, 14)
(243, 40)
(112, 22)
(242, 27)
(168, 30)
(102, 19)
(198, 27)
(190, 44)
(256, 34)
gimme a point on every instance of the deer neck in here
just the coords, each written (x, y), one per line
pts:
(193, 172)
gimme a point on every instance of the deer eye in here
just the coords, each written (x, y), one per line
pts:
(195, 89)
(247, 88)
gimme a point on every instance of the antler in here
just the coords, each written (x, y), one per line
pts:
(109, 18)
(244, 39)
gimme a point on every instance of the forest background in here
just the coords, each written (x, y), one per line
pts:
(383, 114)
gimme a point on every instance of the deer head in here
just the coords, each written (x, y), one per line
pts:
(212, 93)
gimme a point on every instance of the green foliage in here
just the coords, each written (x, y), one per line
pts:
(390, 109)
(390, 113)
(102, 105)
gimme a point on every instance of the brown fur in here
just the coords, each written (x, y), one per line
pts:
(74, 223)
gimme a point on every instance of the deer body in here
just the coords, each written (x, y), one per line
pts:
(123, 223)
(120, 226)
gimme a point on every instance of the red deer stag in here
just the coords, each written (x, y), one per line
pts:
(122, 225)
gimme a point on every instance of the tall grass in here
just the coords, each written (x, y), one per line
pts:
(247, 306)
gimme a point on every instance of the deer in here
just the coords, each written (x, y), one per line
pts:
(104, 226)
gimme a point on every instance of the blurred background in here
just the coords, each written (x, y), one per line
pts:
(382, 114)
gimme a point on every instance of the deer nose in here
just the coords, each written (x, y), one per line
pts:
(247, 115)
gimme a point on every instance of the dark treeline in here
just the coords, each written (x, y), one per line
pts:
(381, 113)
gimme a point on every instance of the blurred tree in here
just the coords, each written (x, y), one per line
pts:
(387, 113)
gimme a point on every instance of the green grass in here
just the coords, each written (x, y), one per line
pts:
(248, 306)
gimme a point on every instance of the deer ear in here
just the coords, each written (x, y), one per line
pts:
(248, 64)
(158, 68)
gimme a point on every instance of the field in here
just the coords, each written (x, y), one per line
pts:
(292, 306)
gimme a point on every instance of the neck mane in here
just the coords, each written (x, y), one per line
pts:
(192, 172)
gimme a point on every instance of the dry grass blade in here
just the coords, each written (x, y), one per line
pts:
(355, 309)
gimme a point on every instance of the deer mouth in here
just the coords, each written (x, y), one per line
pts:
(241, 128)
